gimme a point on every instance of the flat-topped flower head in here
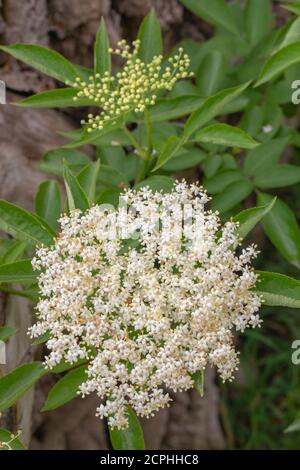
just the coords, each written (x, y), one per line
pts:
(134, 88)
(148, 294)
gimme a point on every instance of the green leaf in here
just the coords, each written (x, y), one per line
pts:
(232, 195)
(52, 161)
(282, 228)
(110, 178)
(19, 271)
(117, 158)
(252, 120)
(295, 425)
(110, 196)
(279, 62)
(16, 383)
(65, 389)
(87, 178)
(58, 98)
(131, 438)
(48, 202)
(294, 8)
(212, 107)
(263, 158)
(150, 36)
(77, 199)
(92, 137)
(198, 379)
(42, 338)
(257, 20)
(64, 366)
(248, 218)
(223, 134)
(212, 164)
(278, 290)
(184, 159)
(43, 59)
(23, 225)
(102, 59)
(210, 73)
(277, 177)
(13, 253)
(13, 443)
(292, 35)
(174, 108)
(168, 151)
(221, 180)
(215, 12)
(157, 183)
(6, 332)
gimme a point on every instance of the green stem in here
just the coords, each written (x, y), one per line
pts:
(135, 143)
(148, 124)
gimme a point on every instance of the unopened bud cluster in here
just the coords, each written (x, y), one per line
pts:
(134, 88)
(146, 315)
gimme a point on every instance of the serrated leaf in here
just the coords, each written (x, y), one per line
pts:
(279, 62)
(58, 98)
(157, 183)
(48, 202)
(259, 160)
(257, 20)
(232, 195)
(174, 108)
(43, 59)
(210, 73)
(169, 150)
(131, 438)
(65, 389)
(102, 59)
(19, 271)
(248, 218)
(215, 12)
(87, 179)
(282, 228)
(223, 134)
(278, 290)
(184, 159)
(13, 253)
(278, 176)
(221, 180)
(77, 199)
(52, 161)
(212, 107)
(16, 383)
(23, 225)
(150, 36)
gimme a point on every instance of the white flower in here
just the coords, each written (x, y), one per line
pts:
(148, 313)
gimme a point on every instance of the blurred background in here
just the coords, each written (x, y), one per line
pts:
(252, 412)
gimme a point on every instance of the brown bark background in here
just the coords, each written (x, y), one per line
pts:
(69, 26)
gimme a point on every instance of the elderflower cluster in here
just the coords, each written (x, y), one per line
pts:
(132, 89)
(147, 304)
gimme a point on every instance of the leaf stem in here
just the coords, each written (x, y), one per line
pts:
(135, 143)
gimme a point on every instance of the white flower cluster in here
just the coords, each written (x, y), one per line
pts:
(146, 312)
(132, 89)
